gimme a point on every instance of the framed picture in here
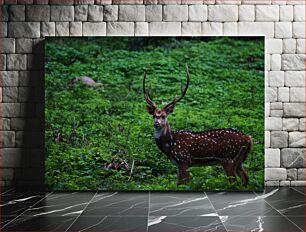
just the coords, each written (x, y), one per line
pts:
(154, 113)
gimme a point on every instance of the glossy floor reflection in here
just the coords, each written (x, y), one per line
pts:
(280, 209)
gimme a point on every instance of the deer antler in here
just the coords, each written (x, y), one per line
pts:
(183, 90)
(146, 92)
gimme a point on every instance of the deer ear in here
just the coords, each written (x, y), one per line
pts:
(169, 109)
(150, 109)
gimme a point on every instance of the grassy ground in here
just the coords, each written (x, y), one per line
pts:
(105, 136)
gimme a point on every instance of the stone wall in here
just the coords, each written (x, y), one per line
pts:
(25, 23)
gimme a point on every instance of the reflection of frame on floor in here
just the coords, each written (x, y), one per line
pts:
(99, 135)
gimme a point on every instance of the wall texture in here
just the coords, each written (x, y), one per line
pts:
(25, 23)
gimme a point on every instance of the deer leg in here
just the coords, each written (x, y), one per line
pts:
(243, 175)
(230, 171)
(183, 175)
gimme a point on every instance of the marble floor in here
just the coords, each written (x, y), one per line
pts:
(274, 210)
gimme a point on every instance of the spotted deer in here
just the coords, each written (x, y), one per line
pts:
(227, 147)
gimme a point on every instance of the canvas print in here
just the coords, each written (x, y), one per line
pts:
(154, 113)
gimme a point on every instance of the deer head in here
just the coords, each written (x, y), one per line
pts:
(160, 115)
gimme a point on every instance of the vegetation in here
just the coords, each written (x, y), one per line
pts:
(101, 137)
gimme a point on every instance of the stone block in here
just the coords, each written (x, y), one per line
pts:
(289, 46)
(8, 45)
(165, 29)
(299, 13)
(47, 29)
(290, 124)
(267, 60)
(283, 30)
(295, 78)
(246, 13)
(276, 62)
(292, 174)
(296, 139)
(62, 13)
(298, 30)
(11, 110)
(300, 46)
(273, 123)
(16, 62)
(297, 94)
(62, 28)
(4, 15)
(294, 110)
(297, 183)
(302, 124)
(38, 13)
(95, 13)
(2, 62)
(141, 29)
(283, 94)
(279, 139)
(154, 13)
(286, 13)
(274, 46)
(276, 78)
(284, 183)
(256, 28)
(301, 175)
(271, 94)
(75, 29)
(131, 13)
(9, 94)
(267, 139)
(17, 13)
(276, 113)
(191, 29)
(222, 13)
(267, 109)
(230, 29)
(293, 158)
(9, 78)
(175, 13)
(81, 12)
(24, 45)
(275, 174)
(111, 13)
(274, 183)
(120, 28)
(24, 29)
(5, 124)
(272, 158)
(212, 29)
(8, 138)
(267, 13)
(197, 13)
(293, 61)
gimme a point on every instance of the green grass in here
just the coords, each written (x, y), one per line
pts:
(108, 125)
